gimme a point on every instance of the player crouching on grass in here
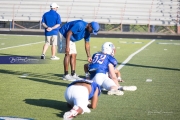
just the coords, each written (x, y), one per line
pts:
(78, 94)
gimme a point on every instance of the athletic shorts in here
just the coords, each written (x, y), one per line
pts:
(104, 81)
(62, 45)
(51, 40)
(77, 95)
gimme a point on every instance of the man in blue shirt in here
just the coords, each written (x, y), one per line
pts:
(51, 21)
(70, 33)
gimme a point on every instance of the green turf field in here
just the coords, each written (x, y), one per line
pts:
(40, 95)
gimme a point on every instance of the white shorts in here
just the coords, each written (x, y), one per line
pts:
(104, 81)
(62, 45)
(77, 95)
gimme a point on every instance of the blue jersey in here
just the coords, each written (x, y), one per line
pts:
(100, 63)
(51, 18)
(93, 84)
(78, 29)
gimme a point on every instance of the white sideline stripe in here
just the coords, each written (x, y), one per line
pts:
(169, 43)
(20, 45)
(133, 54)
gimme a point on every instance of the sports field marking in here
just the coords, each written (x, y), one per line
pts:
(169, 43)
(130, 42)
(137, 42)
(20, 35)
(123, 42)
(21, 45)
(133, 54)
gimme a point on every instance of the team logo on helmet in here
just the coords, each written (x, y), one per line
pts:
(108, 48)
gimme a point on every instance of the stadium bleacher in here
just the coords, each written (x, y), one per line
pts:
(155, 12)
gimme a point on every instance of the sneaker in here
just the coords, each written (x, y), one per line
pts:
(77, 77)
(71, 114)
(87, 110)
(68, 116)
(68, 77)
(115, 92)
(54, 58)
(42, 56)
(129, 88)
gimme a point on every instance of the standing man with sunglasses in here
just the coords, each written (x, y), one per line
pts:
(70, 33)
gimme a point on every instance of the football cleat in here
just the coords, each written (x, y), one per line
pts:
(129, 88)
(71, 114)
(115, 92)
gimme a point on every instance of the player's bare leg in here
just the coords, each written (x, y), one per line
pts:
(45, 47)
(86, 68)
(66, 63)
(86, 71)
(53, 52)
(66, 66)
(73, 67)
(73, 63)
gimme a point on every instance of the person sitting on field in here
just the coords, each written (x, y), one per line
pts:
(104, 62)
(78, 94)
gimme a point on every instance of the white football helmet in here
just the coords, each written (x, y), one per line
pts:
(108, 48)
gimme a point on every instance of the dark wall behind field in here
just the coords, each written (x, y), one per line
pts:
(102, 34)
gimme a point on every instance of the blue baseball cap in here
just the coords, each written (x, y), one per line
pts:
(95, 27)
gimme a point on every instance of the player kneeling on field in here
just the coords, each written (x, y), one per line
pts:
(78, 94)
(104, 62)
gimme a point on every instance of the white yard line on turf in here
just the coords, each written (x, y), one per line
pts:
(20, 45)
(132, 55)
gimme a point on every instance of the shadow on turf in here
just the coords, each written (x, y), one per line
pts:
(44, 78)
(46, 81)
(165, 68)
(59, 105)
(9, 54)
(47, 75)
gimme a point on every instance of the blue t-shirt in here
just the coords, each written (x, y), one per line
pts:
(93, 84)
(51, 18)
(78, 28)
(100, 63)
